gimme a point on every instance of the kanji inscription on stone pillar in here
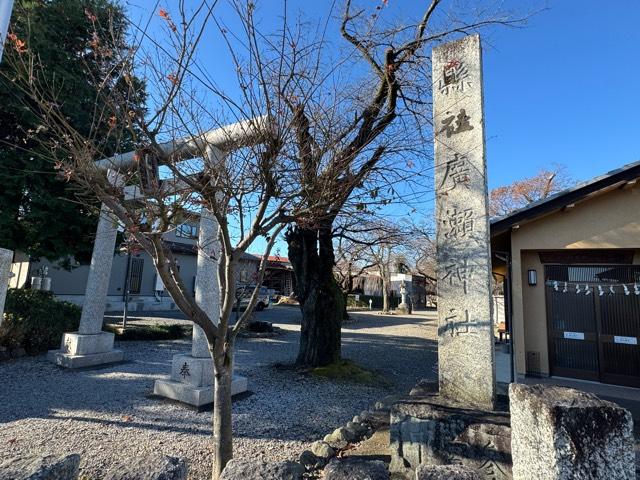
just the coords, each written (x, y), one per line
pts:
(465, 331)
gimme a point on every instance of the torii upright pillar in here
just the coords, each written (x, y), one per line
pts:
(192, 380)
(90, 346)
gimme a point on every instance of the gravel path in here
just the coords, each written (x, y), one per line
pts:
(107, 414)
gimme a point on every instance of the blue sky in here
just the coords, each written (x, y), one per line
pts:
(561, 89)
(564, 89)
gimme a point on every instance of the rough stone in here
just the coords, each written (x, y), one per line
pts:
(238, 469)
(561, 433)
(344, 434)
(322, 449)
(152, 467)
(436, 430)
(41, 468)
(354, 468)
(466, 364)
(446, 472)
(358, 428)
(308, 459)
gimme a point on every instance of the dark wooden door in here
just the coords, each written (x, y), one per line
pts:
(594, 336)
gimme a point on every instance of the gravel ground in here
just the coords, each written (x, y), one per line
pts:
(108, 414)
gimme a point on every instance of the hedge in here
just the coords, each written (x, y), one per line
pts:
(35, 320)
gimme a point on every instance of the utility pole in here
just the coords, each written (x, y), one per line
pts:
(5, 15)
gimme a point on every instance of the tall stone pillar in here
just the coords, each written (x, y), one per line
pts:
(192, 380)
(465, 332)
(6, 257)
(91, 346)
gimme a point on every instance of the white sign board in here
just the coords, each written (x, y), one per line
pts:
(625, 340)
(574, 335)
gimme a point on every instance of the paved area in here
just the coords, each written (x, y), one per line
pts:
(108, 414)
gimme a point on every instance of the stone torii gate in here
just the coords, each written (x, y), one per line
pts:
(90, 346)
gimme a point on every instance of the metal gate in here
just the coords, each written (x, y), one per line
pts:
(593, 315)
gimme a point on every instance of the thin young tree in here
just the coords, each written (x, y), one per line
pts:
(183, 169)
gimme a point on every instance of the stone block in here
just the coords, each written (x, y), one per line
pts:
(151, 467)
(438, 431)
(195, 371)
(245, 469)
(446, 472)
(354, 468)
(63, 359)
(87, 344)
(561, 433)
(196, 396)
(41, 468)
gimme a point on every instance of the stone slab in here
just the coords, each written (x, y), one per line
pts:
(196, 396)
(436, 430)
(562, 433)
(87, 344)
(66, 360)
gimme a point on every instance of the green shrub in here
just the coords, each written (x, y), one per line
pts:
(147, 332)
(36, 321)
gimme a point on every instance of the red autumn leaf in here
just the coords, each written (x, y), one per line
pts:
(172, 78)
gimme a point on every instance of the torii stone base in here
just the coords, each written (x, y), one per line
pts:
(191, 381)
(85, 350)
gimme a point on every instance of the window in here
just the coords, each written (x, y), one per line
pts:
(135, 280)
(187, 231)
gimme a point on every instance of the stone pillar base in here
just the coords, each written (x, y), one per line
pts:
(196, 396)
(403, 309)
(80, 350)
(191, 381)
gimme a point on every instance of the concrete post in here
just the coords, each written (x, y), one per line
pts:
(6, 257)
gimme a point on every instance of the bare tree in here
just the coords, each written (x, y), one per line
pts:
(506, 199)
(358, 133)
(376, 244)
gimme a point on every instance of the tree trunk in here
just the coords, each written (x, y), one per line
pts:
(385, 294)
(321, 299)
(222, 426)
